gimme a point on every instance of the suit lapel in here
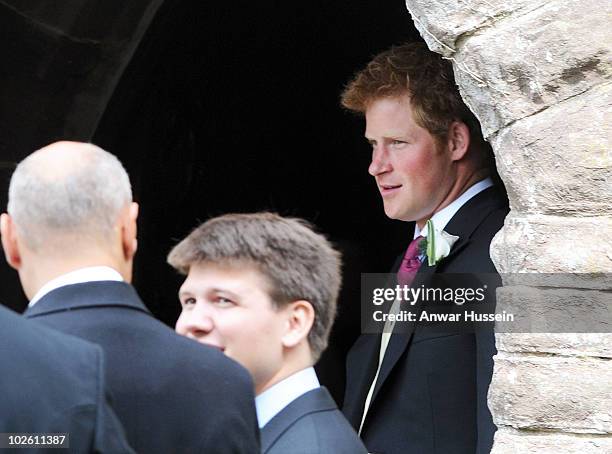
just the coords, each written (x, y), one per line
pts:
(462, 224)
(399, 341)
(313, 401)
(87, 295)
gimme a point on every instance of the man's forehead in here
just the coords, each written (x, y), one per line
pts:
(389, 117)
(229, 275)
(404, 99)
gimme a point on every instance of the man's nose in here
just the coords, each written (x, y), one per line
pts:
(380, 161)
(198, 323)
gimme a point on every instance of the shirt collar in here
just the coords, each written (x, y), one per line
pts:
(269, 403)
(89, 274)
(442, 217)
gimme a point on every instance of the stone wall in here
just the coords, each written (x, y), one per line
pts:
(537, 74)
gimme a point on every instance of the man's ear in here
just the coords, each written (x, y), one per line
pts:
(9, 241)
(129, 231)
(300, 317)
(458, 140)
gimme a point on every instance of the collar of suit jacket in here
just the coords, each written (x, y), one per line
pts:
(87, 295)
(313, 401)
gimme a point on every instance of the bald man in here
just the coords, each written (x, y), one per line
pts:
(70, 232)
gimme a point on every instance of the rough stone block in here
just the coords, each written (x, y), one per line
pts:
(578, 344)
(442, 22)
(508, 441)
(559, 161)
(552, 393)
(527, 64)
(553, 244)
(554, 310)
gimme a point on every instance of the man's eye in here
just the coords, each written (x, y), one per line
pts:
(397, 142)
(223, 302)
(189, 301)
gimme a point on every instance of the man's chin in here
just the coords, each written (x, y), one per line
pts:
(398, 215)
(393, 213)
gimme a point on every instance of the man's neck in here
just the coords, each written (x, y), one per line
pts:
(82, 275)
(281, 375)
(45, 270)
(295, 359)
(442, 217)
(457, 189)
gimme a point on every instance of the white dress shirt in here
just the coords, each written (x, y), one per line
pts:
(89, 274)
(270, 402)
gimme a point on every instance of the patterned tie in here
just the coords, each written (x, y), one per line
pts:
(410, 264)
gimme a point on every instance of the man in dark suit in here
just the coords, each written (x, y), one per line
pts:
(70, 232)
(419, 390)
(263, 289)
(52, 383)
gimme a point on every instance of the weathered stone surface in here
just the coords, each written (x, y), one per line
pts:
(537, 74)
(582, 281)
(582, 344)
(522, 66)
(552, 393)
(508, 441)
(442, 22)
(553, 244)
(559, 161)
(558, 310)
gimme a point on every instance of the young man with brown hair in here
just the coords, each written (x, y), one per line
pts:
(263, 289)
(422, 392)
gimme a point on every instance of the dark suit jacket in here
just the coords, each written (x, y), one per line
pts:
(53, 383)
(431, 394)
(172, 394)
(311, 424)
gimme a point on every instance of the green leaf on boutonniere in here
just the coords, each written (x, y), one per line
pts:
(431, 244)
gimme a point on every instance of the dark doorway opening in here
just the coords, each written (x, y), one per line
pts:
(233, 107)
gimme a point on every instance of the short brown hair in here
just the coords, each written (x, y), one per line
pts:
(412, 69)
(297, 262)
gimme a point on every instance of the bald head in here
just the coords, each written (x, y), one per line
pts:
(67, 190)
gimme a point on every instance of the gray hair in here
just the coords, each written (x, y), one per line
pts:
(80, 192)
(297, 262)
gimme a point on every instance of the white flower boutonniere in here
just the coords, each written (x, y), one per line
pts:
(439, 243)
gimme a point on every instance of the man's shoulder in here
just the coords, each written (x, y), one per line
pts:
(487, 208)
(197, 362)
(482, 235)
(479, 220)
(45, 344)
(71, 367)
(112, 315)
(199, 358)
(320, 432)
(315, 425)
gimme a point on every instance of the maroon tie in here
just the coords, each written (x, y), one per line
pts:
(410, 264)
